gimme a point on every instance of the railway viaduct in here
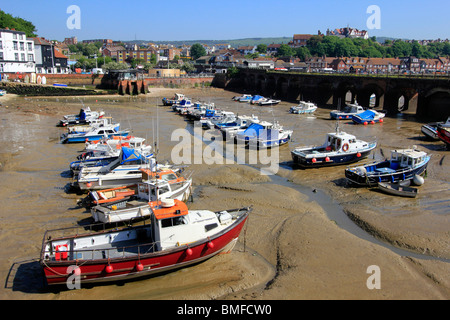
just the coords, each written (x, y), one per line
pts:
(425, 97)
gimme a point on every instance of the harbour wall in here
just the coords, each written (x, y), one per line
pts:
(31, 89)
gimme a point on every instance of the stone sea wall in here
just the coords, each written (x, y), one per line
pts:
(29, 89)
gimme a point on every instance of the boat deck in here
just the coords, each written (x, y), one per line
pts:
(121, 249)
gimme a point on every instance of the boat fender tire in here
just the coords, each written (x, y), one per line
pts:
(345, 147)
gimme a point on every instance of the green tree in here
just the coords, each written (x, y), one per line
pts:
(285, 51)
(188, 67)
(302, 53)
(115, 66)
(89, 50)
(8, 21)
(232, 72)
(261, 48)
(197, 50)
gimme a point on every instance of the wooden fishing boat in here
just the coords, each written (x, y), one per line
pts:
(430, 129)
(175, 238)
(161, 185)
(303, 108)
(404, 164)
(397, 189)
(107, 196)
(444, 135)
(339, 148)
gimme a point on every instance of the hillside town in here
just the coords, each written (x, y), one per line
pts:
(21, 55)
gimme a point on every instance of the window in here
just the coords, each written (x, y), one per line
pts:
(171, 222)
(22, 57)
(16, 56)
(15, 45)
(1, 45)
(1, 55)
(30, 46)
(30, 57)
(22, 46)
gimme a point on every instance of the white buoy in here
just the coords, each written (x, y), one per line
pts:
(418, 180)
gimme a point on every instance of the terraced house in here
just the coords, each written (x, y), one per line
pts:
(16, 52)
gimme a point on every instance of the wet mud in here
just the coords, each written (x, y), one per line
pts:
(310, 235)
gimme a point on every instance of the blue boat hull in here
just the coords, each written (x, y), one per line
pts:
(373, 176)
(321, 161)
(80, 139)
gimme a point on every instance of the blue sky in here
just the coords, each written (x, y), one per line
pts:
(230, 19)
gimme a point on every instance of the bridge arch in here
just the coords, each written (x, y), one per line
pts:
(435, 104)
(400, 100)
(271, 86)
(345, 93)
(282, 87)
(371, 96)
(260, 84)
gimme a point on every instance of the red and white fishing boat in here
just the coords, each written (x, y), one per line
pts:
(175, 238)
(443, 133)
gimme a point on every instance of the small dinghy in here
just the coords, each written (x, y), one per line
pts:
(398, 189)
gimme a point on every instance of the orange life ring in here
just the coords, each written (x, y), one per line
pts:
(345, 147)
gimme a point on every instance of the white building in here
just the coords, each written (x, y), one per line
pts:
(16, 52)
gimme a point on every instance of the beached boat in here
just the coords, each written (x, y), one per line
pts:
(339, 148)
(107, 196)
(368, 116)
(85, 127)
(176, 98)
(182, 105)
(242, 122)
(122, 171)
(430, 129)
(444, 134)
(213, 115)
(347, 113)
(118, 194)
(243, 98)
(223, 119)
(264, 135)
(397, 189)
(95, 133)
(85, 116)
(164, 184)
(102, 152)
(175, 238)
(404, 164)
(268, 102)
(303, 108)
(257, 99)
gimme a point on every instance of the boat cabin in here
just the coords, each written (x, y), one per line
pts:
(339, 141)
(155, 184)
(407, 158)
(174, 226)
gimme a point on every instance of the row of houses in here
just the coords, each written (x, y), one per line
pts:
(401, 65)
(19, 54)
(361, 65)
